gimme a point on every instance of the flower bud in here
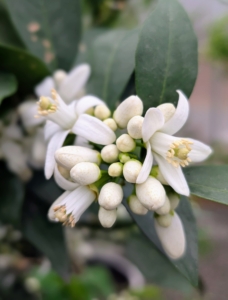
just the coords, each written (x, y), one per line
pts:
(129, 108)
(59, 77)
(165, 209)
(102, 112)
(111, 195)
(131, 170)
(172, 238)
(174, 200)
(125, 143)
(164, 220)
(111, 123)
(85, 173)
(110, 153)
(136, 206)
(124, 157)
(69, 156)
(90, 111)
(115, 169)
(155, 172)
(151, 193)
(134, 127)
(107, 217)
(168, 110)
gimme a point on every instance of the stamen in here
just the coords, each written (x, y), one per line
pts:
(46, 105)
(177, 155)
(61, 216)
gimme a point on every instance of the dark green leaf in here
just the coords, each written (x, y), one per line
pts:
(209, 182)
(187, 265)
(50, 29)
(112, 61)
(28, 69)
(166, 57)
(8, 85)
(12, 196)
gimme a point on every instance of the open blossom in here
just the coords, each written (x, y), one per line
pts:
(63, 119)
(171, 153)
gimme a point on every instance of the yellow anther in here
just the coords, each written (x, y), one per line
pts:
(61, 216)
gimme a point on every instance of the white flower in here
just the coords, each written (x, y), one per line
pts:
(131, 170)
(172, 237)
(110, 153)
(125, 143)
(115, 169)
(63, 179)
(85, 173)
(171, 153)
(63, 119)
(111, 195)
(27, 110)
(69, 86)
(107, 217)
(69, 207)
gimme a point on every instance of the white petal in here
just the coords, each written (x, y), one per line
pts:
(177, 121)
(199, 152)
(63, 182)
(147, 165)
(27, 111)
(174, 176)
(94, 130)
(87, 102)
(161, 142)
(51, 214)
(81, 141)
(74, 82)
(45, 87)
(50, 129)
(153, 121)
(55, 143)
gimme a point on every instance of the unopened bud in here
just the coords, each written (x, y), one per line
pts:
(129, 108)
(136, 206)
(90, 111)
(59, 76)
(102, 112)
(164, 220)
(110, 153)
(174, 200)
(115, 169)
(131, 170)
(165, 209)
(111, 123)
(151, 193)
(172, 238)
(85, 173)
(107, 217)
(69, 156)
(111, 195)
(64, 172)
(155, 172)
(168, 110)
(124, 157)
(125, 143)
(134, 127)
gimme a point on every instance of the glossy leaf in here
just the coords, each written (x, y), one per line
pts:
(8, 85)
(28, 69)
(112, 62)
(49, 29)
(187, 265)
(166, 57)
(209, 182)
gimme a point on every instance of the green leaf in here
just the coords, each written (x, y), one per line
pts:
(12, 196)
(8, 85)
(112, 62)
(209, 182)
(166, 57)
(28, 69)
(49, 29)
(187, 265)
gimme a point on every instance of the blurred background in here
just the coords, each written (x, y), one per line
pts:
(112, 264)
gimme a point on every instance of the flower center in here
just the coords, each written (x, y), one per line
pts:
(46, 106)
(61, 215)
(177, 155)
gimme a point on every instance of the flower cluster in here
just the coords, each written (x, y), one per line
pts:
(111, 150)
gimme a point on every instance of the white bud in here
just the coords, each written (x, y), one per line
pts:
(125, 143)
(129, 108)
(131, 170)
(151, 193)
(32, 285)
(136, 206)
(69, 156)
(85, 173)
(102, 112)
(164, 220)
(134, 127)
(107, 217)
(165, 209)
(174, 200)
(64, 172)
(124, 157)
(110, 153)
(111, 195)
(115, 169)
(59, 76)
(111, 123)
(90, 111)
(172, 238)
(155, 172)
(168, 110)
